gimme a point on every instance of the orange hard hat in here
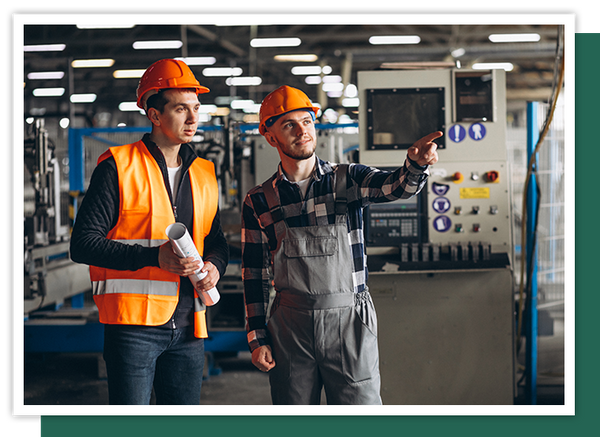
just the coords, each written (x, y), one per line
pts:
(283, 99)
(163, 74)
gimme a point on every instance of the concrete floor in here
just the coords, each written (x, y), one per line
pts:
(78, 378)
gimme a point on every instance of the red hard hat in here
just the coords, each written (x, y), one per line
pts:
(166, 73)
(283, 99)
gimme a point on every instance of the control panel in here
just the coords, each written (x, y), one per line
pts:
(464, 213)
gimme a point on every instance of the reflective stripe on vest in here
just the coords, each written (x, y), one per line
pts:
(149, 296)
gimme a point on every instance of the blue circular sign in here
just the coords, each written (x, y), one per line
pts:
(441, 205)
(477, 131)
(442, 223)
(457, 133)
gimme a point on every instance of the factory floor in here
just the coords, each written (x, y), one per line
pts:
(78, 378)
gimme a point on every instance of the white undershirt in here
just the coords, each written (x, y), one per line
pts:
(303, 185)
(174, 178)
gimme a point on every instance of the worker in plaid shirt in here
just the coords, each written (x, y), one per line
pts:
(303, 228)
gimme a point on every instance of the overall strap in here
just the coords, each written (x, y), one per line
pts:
(274, 207)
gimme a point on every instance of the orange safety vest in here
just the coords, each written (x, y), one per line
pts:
(148, 296)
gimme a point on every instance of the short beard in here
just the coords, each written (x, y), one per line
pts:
(299, 156)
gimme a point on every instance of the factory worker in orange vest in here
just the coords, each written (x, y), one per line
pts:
(155, 322)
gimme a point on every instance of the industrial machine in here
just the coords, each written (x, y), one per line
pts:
(440, 263)
(50, 276)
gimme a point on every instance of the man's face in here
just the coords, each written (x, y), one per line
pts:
(294, 135)
(179, 120)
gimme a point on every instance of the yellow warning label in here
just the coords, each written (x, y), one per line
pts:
(475, 193)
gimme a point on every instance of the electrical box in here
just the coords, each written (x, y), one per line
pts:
(439, 264)
(467, 198)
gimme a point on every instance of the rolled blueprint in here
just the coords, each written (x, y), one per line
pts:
(184, 247)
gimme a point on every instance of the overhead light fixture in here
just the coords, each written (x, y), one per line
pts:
(312, 80)
(83, 98)
(48, 92)
(45, 48)
(206, 60)
(92, 63)
(394, 39)
(351, 102)
(333, 87)
(128, 74)
(332, 79)
(159, 45)
(242, 104)
(46, 75)
(243, 81)
(207, 109)
(296, 58)
(129, 107)
(222, 71)
(457, 53)
(275, 42)
(514, 37)
(310, 70)
(506, 66)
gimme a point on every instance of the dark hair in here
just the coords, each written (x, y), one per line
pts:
(158, 100)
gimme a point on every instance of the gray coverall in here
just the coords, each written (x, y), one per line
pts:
(322, 332)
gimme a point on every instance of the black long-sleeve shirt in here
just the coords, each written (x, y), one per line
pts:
(99, 213)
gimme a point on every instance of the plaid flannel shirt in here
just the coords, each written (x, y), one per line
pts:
(365, 185)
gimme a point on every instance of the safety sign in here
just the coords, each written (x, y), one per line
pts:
(457, 133)
(441, 205)
(442, 223)
(477, 131)
(439, 189)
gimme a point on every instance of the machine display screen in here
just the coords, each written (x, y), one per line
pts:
(398, 117)
(397, 222)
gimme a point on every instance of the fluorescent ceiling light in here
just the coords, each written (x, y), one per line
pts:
(457, 53)
(241, 104)
(48, 92)
(222, 71)
(332, 79)
(207, 109)
(312, 80)
(351, 91)
(507, 66)
(83, 98)
(296, 58)
(206, 60)
(45, 48)
(128, 74)
(149, 45)
(128, 107)
(310, 70)
(515, 37)
(243, 81)
(44, 75)
(275, 42)
(350, 102)
(395, 39)
(92, 63)
(334, 87)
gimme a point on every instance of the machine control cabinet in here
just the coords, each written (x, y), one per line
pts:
(466, 206)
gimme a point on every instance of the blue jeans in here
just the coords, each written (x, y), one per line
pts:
(140, 357)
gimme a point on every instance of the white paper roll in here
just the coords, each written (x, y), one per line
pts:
(184, 247)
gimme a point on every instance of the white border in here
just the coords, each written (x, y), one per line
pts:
(363, 16)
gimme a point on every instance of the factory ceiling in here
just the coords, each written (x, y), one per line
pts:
(344, 48)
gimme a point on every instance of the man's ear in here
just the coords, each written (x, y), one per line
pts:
(153, 116)
(271, 139)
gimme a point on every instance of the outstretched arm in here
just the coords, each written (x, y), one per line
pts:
(424, 151)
